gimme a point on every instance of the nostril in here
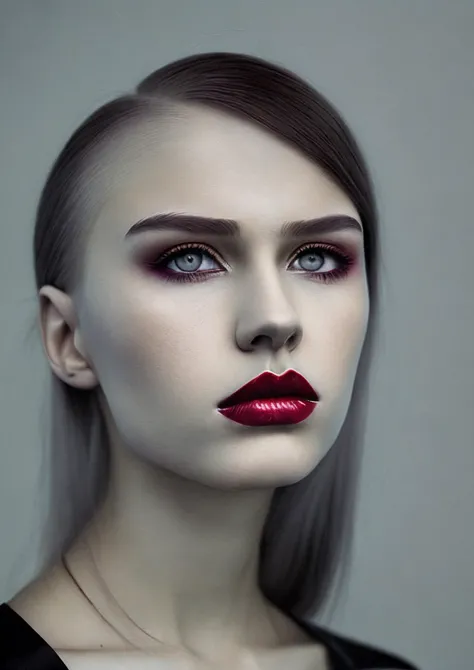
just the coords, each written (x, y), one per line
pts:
(292, 340)
(260, 340)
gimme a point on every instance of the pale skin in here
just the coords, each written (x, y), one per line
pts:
(177, 539)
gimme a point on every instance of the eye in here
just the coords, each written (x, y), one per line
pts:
(197, 262)
(314, 258)
(323, 262)
(191, 260)
(187, 262)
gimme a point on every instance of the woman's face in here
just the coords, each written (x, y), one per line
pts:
(167, 346)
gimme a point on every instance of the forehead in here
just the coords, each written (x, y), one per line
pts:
(207, 163)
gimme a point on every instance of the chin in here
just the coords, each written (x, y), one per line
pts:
(278, 460)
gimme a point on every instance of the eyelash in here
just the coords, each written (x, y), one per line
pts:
(157, 266)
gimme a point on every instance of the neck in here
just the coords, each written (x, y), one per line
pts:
(181, 559)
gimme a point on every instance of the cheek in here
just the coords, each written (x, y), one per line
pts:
(337, 348)
(148, 339)
(341, 337)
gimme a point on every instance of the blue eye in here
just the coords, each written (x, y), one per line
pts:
(190, 261)
(197, 262)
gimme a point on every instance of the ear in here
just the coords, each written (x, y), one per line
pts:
(62, 341)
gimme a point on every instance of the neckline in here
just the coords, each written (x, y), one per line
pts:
(22, 642)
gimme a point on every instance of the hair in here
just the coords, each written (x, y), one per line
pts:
(307, 536)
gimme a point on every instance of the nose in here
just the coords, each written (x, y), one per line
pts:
(267, 319)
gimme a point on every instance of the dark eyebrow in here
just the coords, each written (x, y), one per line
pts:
(229, 228)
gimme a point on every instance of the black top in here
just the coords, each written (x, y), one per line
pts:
(21, 648)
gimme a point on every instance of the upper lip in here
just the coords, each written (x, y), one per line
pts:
(270, 385)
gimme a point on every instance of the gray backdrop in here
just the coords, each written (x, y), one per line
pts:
(402, 74)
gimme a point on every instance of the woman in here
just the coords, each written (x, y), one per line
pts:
(205, 256)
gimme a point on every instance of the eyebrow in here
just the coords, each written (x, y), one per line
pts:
(205, 225)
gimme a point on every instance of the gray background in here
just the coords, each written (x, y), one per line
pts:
(402, 75)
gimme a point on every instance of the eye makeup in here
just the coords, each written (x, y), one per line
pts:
(158, 264)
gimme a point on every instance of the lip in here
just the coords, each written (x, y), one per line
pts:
(268, 385)
(271, 399)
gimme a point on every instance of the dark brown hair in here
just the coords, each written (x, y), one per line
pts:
(306, 538)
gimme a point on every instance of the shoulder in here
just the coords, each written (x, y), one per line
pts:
(355, 654)
(48, 605)
(21, 646)
(48, 621)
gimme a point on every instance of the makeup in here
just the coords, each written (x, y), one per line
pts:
(324, 254)
(270, 399)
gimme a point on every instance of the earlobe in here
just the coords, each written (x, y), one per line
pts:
(61, 339)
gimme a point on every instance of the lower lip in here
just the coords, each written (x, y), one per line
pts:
(270, 412)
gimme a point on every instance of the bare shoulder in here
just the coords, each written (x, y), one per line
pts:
(58, 612)
(41, 603)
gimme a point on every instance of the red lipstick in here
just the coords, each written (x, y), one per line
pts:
(271, 400)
